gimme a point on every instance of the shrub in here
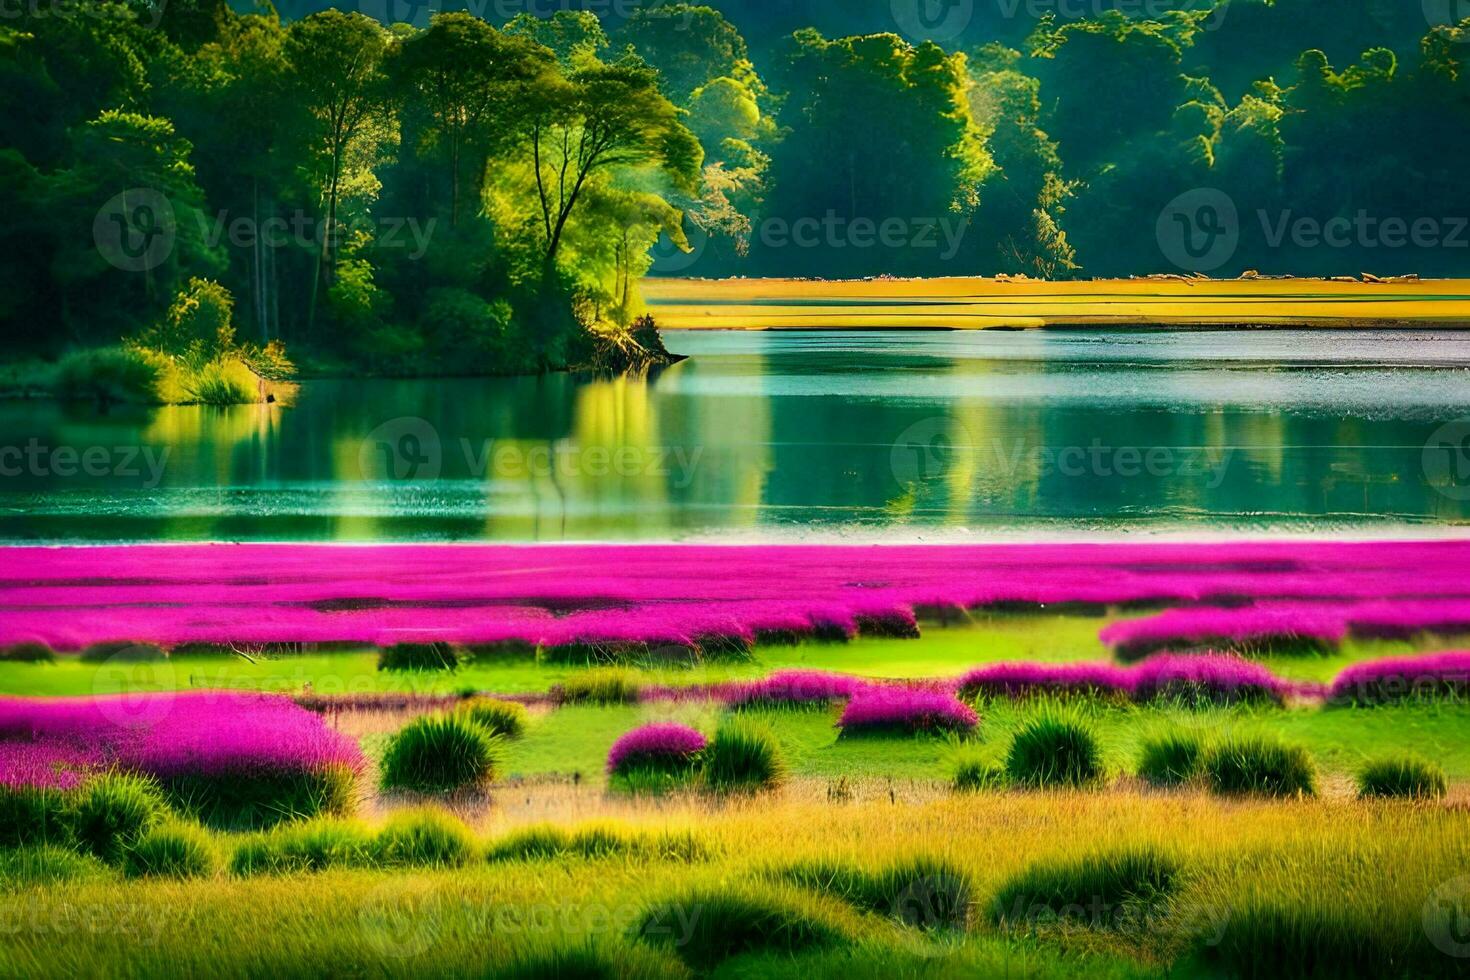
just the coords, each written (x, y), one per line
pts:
(608, 686)
(878, 710)
(424, 838)
(1099, 890)
(31, 815)
(226, 381)
(1170, 760)
(1250, 630)
(260, 798)
(743, 757)
(419, 656)
(109, 374)
(1053, 751)
(705, 928)
(440, 753)
(663, 749)
(315, 845)
(173, 850)
(114, 811)
(497, 717)
(1405, 777)
(920, 892)
(122, 652)
(1395, 679)
(27, 653)
(1260, 766)
(794, 689)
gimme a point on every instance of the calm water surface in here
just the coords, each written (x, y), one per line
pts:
(903, 436)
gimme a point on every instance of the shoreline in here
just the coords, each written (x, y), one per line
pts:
(979, 303)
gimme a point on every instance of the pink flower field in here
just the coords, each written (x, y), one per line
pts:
(70, 598)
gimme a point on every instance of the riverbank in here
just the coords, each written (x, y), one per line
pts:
(972, 303)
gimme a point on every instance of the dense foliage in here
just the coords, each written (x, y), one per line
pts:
(457, 196)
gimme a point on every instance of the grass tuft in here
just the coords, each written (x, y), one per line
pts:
(112, 812)
(419, 656)
(1172, 759)
(438, 754)
(504, 718)
(743, 757)
(1054, 751)
(1108, 890)
(172, 850)
(425, 837)
(316, 845)
(606, 686)
(1260, 766)
(33, 815)
(705, 928)
(920, 892)
(1402, 777)
(972, 773)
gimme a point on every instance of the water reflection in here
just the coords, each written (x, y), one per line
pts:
(902, 435)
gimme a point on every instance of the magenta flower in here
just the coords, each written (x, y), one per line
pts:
(1436, 675)
(1248, 629)
(794, 688)
(662, 745)
(887, 709)
(210, 734)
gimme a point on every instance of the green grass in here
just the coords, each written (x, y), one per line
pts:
(1104, 890)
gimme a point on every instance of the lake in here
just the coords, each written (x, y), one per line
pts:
(888, 435)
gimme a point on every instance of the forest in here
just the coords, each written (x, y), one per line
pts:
(429, 190)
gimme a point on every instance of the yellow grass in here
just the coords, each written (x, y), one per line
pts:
(976, 303)
(1385, 860)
